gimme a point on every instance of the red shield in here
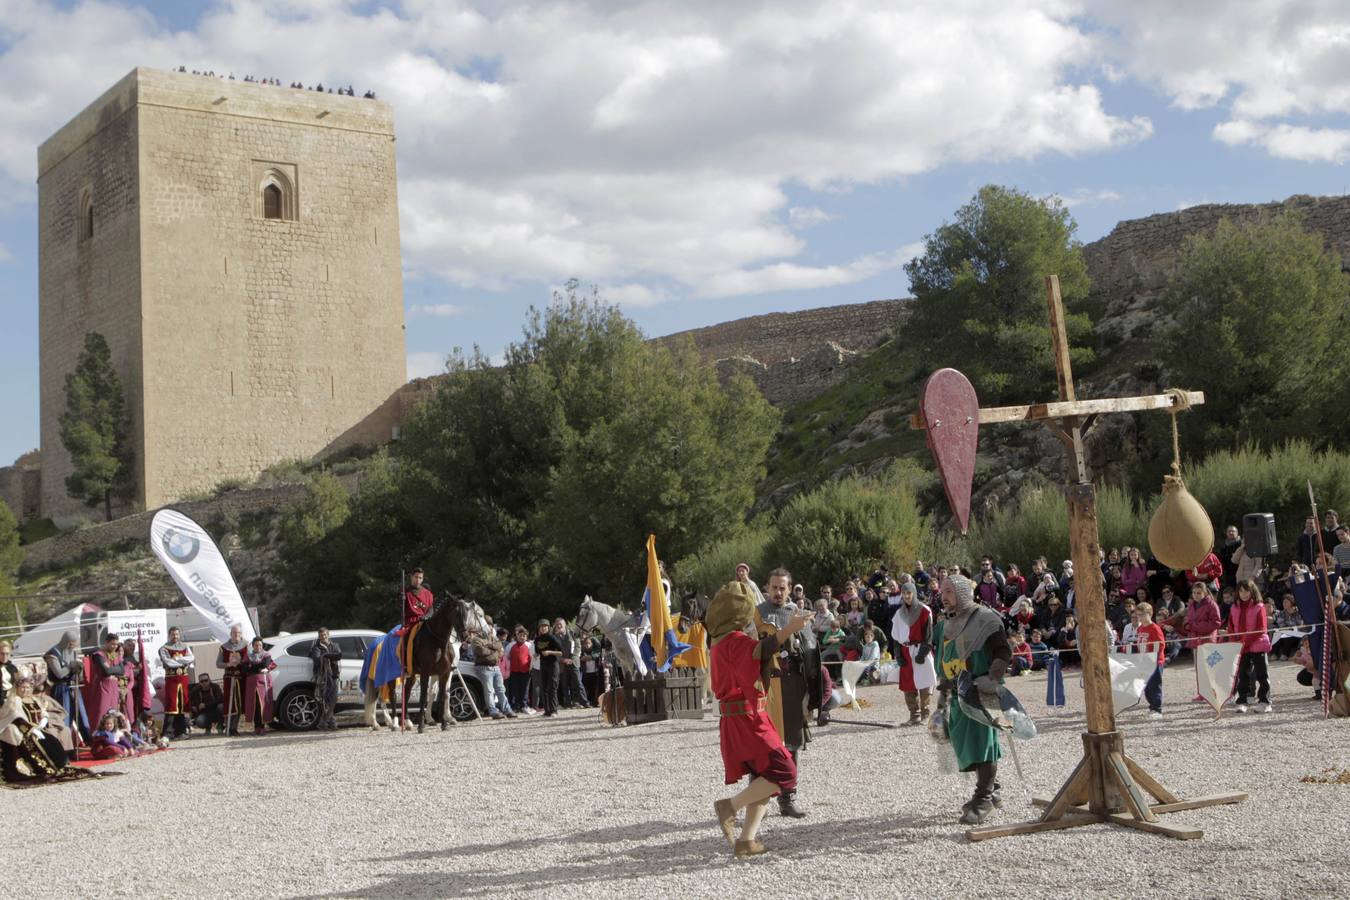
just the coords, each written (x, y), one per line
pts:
(951, 415)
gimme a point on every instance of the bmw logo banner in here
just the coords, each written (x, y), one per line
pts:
(199, 569)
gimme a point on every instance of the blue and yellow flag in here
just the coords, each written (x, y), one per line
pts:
(658, 605)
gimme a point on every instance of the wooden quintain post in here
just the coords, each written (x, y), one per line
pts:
(1106, 785)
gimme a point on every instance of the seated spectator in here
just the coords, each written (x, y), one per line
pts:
(206, 702)
(1286, 619)
(832, 643)
(34, 741)
(857, 611)
(1129, 630)
(113, 739)
(988, 592)
(824, 619)
(871, 654)
(1039, 651)
(1021, 651)
(1068, 642)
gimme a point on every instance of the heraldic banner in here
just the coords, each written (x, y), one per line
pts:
(199, 569)
(1216, 667)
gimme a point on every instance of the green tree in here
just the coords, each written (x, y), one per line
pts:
(94, 430)
(540, 479)
(1260, 322)
(10, 553)
(326, 506)
(979, 294)
(849, 526)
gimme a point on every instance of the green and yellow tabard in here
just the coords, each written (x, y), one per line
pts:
(974, 742)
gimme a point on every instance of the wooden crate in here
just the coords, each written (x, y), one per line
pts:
(675, 695)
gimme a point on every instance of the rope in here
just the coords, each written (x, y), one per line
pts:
(1181, 402)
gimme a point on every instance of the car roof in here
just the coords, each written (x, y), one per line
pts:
(287, 639)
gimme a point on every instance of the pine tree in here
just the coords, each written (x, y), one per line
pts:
(94, 430)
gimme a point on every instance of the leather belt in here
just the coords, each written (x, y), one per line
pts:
(741, 707)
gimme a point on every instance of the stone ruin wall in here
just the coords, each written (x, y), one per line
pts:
(1131, 265)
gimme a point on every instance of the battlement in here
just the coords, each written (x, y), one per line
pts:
(216, 97)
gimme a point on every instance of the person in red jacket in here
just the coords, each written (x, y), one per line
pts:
(1209, 572)
(1199, 622)
(417, 601)
(1247, 623)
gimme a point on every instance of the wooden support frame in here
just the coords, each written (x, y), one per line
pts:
(1106, 787)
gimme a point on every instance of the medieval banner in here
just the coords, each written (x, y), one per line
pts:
(199, 569)
(1216, 668)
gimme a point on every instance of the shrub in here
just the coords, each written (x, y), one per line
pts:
(1038, 525)
(715, 565)
(849, 526)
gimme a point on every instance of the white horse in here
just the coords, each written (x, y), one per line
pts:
(624, 630)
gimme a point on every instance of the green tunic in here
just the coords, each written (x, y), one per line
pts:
(974, 742)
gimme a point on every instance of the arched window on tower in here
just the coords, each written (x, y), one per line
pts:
(271, 197)
(86, 225)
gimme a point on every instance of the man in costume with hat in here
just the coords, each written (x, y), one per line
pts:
(749, 742)
(65, 668)
(970, 639)
(796, 688)
(177, 658)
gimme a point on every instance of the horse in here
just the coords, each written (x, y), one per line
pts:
(623, 629)
(435, 650)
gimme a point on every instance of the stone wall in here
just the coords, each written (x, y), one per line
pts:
(242, 340)
(21, 487)
(74, 546)
(779, 337)
(1131, 265)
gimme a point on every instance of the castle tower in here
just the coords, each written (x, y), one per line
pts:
(238, 246)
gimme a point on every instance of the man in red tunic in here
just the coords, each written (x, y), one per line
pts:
(750, 745)
(912, 630)
(417, 601)
(177, 658)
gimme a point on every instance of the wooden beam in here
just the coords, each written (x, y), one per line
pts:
(1181, 834)
(985, 832)
(1060, 336)
(1036, 412)
(1151, 784)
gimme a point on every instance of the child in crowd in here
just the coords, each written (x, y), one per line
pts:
(113, 740)
(871, 654)
(1038, 649)
(1287, 618)
(1149, 638)
(1247, 623)
(832, 643)
(1130, 630)
(1068, 641)
(1021, 650)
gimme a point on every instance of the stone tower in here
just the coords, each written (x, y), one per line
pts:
(238, 246)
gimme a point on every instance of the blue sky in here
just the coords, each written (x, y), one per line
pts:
(704, 161)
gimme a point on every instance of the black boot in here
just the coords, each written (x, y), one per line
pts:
(788, 807)
(982, 803)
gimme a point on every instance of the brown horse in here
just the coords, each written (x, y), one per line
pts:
(434, 654)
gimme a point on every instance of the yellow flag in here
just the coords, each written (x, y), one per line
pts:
(658, 609)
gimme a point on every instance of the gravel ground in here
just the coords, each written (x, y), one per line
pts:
(530, 807)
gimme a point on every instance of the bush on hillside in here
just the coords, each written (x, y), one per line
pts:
(715, 565)
(1038, 525)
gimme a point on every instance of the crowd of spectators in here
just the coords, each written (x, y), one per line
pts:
(347, 91)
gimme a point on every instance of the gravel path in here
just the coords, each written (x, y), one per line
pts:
(570, 807)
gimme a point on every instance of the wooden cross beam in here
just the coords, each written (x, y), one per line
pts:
(1105, 787)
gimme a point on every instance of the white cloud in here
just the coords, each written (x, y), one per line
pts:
(793, 277)
(1271, 65)
(1296, 142)
(436, 310)
(5, 255)
(1089, 196)
(636, 144)
(422, 364)
(800, 217)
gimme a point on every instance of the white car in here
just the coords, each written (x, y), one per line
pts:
(293, 680)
